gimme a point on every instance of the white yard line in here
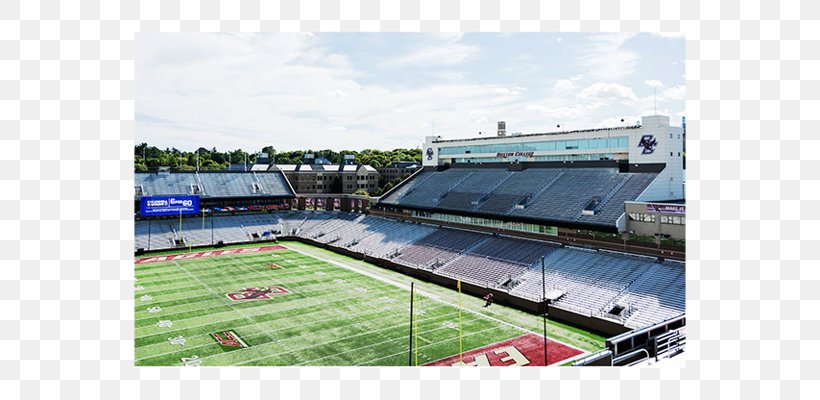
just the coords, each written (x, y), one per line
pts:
(313, 302)
(327, 342)
(176, 278)
(198, 267)
(356, 270)
(313, 322)
(238, 311)
(217, 303)
(429, 295)
(494, 327)
(163, 298)
(160, 298)
(395, 339)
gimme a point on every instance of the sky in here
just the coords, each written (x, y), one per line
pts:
(352, 91)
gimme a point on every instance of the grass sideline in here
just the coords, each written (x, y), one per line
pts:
(212, 273)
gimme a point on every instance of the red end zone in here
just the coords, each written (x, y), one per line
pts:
(526, 350)
(203, 254)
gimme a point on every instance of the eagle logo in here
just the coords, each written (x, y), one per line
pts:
(256, 293)
(648, 143)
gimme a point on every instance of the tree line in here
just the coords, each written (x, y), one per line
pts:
(150, 158)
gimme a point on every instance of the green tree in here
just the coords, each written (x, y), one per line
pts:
(149, 158)
(270, 151)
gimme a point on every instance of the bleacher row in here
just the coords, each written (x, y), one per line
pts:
(212, 184)
(558, 194)
(593, 282)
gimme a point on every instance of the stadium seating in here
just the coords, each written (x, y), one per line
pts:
(165, 184)
(212, 184)
(590, 280)
(496, 261)
(439, 247)
(388, 240)
(472, 189)
(272, 183)
(428, 193)
(659, 295)
(552, 194)
(593, 282)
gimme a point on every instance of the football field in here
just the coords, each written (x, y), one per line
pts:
(279, 306)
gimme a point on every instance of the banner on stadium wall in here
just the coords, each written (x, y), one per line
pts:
(666, 208)
(516, 154)
(155, 206)
(336, 203)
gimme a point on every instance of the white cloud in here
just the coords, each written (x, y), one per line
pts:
(604, 57)
(674, 93)
(654, 83)
(565, 85)
(574, 111)
(607, 91)
(337, 93)
(445, 51)
(297, 91)
(513, 91)
(628, 120)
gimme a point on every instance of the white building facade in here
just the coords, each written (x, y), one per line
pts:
(654, 141)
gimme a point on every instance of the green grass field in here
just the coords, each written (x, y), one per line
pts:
(332, 315)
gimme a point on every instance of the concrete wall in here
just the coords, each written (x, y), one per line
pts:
(651, 228)
(668, 150)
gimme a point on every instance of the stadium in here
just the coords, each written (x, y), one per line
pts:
(236, 268)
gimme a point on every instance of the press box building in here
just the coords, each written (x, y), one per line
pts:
(653, 143)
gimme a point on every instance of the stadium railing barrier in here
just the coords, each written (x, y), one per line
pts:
(662, 340)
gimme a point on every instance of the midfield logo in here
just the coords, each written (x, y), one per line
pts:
(229, 339)
(256, 293)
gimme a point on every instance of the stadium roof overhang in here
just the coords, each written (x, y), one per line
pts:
(513, 218)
